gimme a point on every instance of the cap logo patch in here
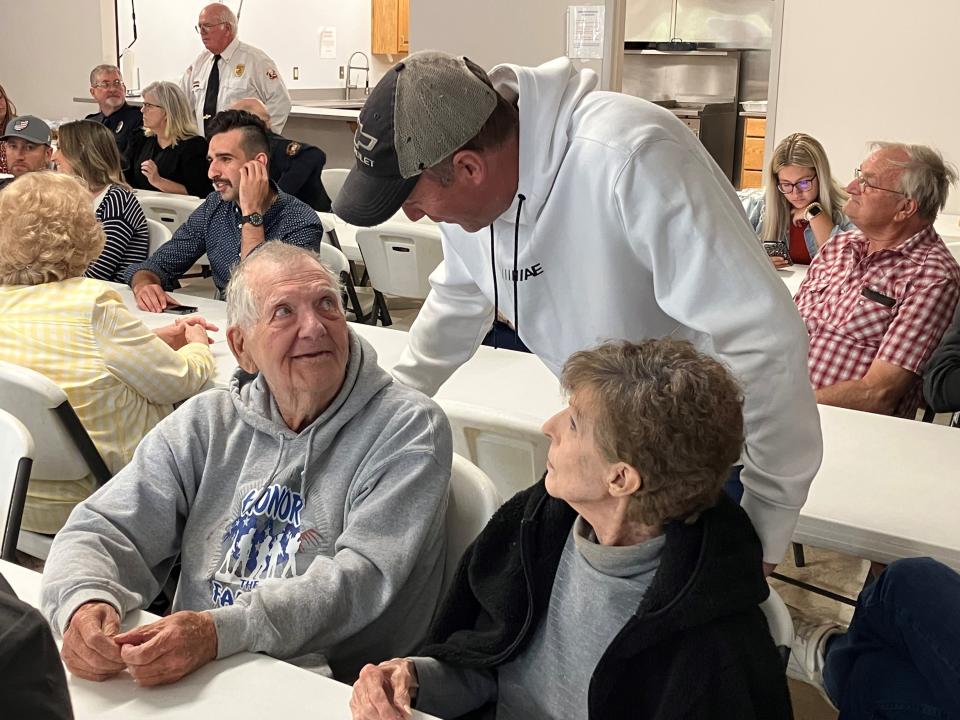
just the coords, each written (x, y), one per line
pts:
(20, 125)
(369, 142)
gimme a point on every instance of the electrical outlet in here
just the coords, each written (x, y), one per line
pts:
(341, 72)
(296, 72)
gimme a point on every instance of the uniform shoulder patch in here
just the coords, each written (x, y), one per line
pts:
(272, 74)
(293, 148)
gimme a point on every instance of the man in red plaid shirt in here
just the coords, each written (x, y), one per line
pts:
(877, 300)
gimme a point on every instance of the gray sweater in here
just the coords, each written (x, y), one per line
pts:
(596, 590)
(327, 541)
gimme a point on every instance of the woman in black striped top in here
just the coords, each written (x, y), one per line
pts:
(87, 149)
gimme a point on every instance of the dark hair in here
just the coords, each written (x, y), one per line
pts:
(11, 111)
(503, 123)
(254, 131)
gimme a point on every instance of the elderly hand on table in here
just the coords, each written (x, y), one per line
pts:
(166, 650)
(89, 650)
(186, 330)
(384, 691)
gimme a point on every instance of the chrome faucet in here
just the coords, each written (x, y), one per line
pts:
(350, 68)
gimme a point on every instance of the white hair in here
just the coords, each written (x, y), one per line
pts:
(926, 177)
(243, 298)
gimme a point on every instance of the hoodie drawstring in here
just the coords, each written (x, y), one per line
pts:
(493, 268)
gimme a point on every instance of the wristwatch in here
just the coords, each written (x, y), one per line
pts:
(813, 210)
(254, 218)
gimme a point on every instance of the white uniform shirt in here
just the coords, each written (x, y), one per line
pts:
(245, 71)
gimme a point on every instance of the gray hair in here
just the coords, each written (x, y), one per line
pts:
(103, 70)
(926, 176)
(243, 301)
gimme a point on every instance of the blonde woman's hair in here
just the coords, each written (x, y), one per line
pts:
(181, 122)
(804, 151)
(91, 150)
(48, 230)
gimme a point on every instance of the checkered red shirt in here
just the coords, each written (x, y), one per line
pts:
(848, 329)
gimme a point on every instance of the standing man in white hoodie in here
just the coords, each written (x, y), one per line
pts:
(607, 219)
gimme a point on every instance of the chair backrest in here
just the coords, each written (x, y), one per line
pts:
(779, 622)
(171, 210)
(64, 450)
(159, 234)
(473, 501)
(334, 259)
(400, 256)
(16, 459)
(511, 450)
(333, 179)
(954, 247)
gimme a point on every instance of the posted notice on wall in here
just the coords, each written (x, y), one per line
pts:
(585, 31)
(328, 42)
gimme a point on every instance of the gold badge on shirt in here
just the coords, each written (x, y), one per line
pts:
(293, 148)
(238, 70)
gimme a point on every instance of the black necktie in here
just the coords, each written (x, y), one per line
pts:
(213, 89)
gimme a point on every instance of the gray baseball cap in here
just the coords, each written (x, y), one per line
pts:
(30, 128)
(423, 110)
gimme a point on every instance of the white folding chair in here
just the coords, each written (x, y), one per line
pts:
(159, 234)
(780, 624)
(511, 450)
(171, 210)
(16, 459)
(333, 179)
(352, 302)
(64, 450)
(399, 258)
(473, 501)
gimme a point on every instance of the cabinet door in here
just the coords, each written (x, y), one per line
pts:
(648, 20)
(403, 25)
(383, 27)
(730, 23)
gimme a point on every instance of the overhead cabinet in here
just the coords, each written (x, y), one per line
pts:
(390, 27)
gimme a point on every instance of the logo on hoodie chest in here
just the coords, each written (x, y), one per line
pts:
(261, 542)
(521, 273)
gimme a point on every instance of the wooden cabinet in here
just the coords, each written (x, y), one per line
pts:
(390, 27)
(754, 138)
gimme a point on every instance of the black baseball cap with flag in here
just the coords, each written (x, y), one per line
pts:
(423, 110)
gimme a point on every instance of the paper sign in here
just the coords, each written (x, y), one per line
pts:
(585, 31)
(328, 42)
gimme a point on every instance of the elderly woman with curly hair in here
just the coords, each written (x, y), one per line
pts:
(120, 377)
(624, 585)
(168, 154)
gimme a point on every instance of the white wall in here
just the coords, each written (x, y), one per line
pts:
(47, 49)
(287, 31)
(525, 32)
(861, 70)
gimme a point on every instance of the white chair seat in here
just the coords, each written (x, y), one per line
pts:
(333, 179)
(473, 501)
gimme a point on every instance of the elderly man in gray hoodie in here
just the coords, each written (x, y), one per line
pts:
(306, 503)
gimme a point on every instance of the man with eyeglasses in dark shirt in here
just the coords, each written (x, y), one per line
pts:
(107, 88)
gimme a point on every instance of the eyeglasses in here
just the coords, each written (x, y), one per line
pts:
(864, 183)
(207, 27)
(106, 85)
(151, 105)
(802, 185)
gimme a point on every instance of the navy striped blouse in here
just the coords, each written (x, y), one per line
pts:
(128, 239)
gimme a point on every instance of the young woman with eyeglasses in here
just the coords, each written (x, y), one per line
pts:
(801, 205)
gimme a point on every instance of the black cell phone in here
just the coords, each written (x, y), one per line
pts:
(180, 309)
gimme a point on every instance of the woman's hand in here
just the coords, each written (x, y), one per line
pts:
(149, 170)
(186, 330)
(384, 691)
(796, 214)
(779, 263)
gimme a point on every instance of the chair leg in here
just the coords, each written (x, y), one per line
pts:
(379, 310)
(798, 558)
(354, 301)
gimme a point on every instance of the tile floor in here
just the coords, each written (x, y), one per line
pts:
(833, 571)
